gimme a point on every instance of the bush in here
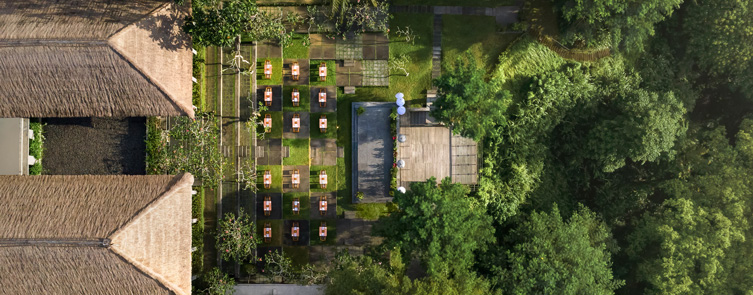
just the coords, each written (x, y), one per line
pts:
(197, 231)
(360, 110)
(36, 148)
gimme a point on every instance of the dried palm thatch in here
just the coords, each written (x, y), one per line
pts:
(94, 59)
(146, 219)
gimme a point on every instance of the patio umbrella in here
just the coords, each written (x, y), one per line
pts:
(399, 95)
(400, 164)
(401, 111)
(400, 102)
(401, 189)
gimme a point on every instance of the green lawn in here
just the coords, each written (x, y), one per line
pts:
(331, 125)
(331, 178)
(299, 151)
(287, 206)
(277, 232)
(314, 72)
(276, 130)
(296, 49)
(287, 99)
(372, 211)
(414, 86)
(483, 3)
(36, 147)
(276, 72)
(331, 232)
(276, 171)
(299, 255)
(478, 34)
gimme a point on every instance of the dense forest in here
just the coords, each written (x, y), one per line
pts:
(629, 174)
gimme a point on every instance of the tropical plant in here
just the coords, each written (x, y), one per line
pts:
(235, 237)
(219, 283)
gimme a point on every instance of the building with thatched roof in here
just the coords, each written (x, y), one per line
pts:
(95, 58)
(95, 234)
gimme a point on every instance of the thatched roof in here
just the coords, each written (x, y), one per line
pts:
(95, 234)
(99, 58)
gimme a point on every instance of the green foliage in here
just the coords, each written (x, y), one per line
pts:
(553, 256)
(220, 23)
(298, 47)
(694, 242)
(350, 17)
(623, 23)
(197, 231)
(219, 283)
(373, 211)
(360, 110)
(719, 40)
(192, 147)
(299, 151)
(472, 106)
(36, 147)
(235, 237)
(440, 224)
(199, 89)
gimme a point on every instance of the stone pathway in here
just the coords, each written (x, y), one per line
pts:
(436, 52)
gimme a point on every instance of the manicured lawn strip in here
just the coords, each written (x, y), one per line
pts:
(331, 232)
(331, 178)
(304, 96)
(342, 185)
(276, 130)
(344, 102)
(296, 49)
(314, 72)
(155, 147)
(332, 124)
(36, 147)
(299, 255)
(197, 230)
(199, 89)
(276, 72)
(277, 233)
(299, 151)
(478, 34)
(287, 206)
(372, 211)
(414, 86)
(276, 186)
(481, 3)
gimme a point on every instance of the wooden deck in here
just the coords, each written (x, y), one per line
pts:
(434, 151)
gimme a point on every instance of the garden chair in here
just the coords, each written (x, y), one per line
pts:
(323, 72)
(296, 178)
(267, 69)
(268, 96)
(267, 179)
(267, 205)
(296, 206)
(296, 123)
(322, 98)
(296, 97)
(323, 231)
(322, 205)
(295, 231)
(267, 232)
(323, 124)
(295, 69)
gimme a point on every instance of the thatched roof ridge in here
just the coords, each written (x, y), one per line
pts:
(107, 58)
(146, 219)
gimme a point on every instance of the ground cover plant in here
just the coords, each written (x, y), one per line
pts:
(331, 178)
(276, 185)
(287, 206)
(275, 78)
(299, 151)
(332, 125)
(314, 79)
(298, 47)
(479, 34)
(304, 99)
(36, 147)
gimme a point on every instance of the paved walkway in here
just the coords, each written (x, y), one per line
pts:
(504, 15)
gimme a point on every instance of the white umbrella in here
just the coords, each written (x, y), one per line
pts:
(401, 189)
(401, 111)
(400, 102)
(399, 95)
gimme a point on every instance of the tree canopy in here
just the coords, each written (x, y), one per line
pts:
(472, 106)
(440, 224)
